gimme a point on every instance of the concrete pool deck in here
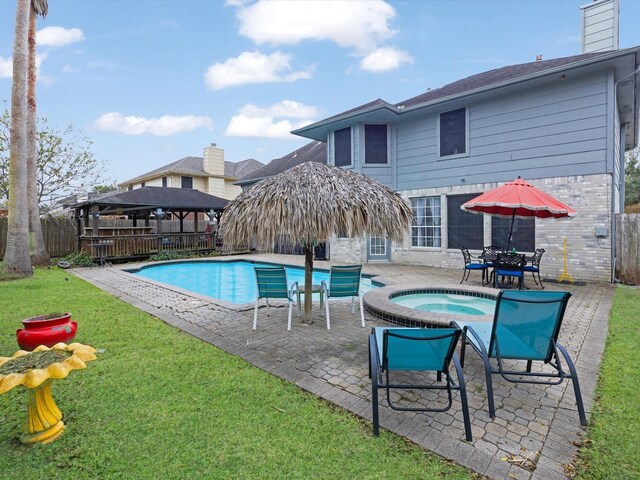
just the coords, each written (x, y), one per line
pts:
(536, 428)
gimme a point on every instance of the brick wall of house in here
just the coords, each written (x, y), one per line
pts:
(588, 257)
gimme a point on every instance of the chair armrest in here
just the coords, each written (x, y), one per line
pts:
(323, 288)
(294, 289)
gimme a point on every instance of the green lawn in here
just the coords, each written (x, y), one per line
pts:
(611, 449)
(160, 404)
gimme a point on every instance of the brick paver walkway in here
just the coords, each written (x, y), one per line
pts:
(536, 427)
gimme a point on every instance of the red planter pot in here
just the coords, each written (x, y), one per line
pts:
(46, 330)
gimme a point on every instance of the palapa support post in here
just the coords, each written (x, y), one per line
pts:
(308, 281)
(565, 274)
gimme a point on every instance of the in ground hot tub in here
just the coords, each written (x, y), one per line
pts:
(412, 305)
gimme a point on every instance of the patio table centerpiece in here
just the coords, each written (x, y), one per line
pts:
(36, 370)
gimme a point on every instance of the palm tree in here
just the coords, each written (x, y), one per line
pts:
(16, 256)
(37, 248)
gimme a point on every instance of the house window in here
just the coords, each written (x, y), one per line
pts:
(342, 147)
(523, 235)
(142, 184)
(129, 187)
(464, 229)
(375, 144)
(426, 223)
(452, 136)
(164, 181)
(186, 182)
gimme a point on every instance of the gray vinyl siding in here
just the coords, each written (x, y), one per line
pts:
(551, 131)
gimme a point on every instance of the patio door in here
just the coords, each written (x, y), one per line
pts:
(378, 249)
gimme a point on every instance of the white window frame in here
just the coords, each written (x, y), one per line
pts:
(439, 227)
(466, 136)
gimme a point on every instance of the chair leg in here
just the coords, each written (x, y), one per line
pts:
(353, 305)
(289, 321)
(540, 280)
(489, 380)
(267, 301)
(373, 369)
(326, 309)
(361, 312)
(255, 314)
(463, 399)
(576, 385)
(464, 274)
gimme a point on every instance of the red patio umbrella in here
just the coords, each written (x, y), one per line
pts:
(518, 199)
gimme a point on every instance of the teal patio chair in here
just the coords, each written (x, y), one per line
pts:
(344, 281)
(272, 283)
(415, 349)
(525, 327)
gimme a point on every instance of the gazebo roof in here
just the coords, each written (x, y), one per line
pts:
(182, 199)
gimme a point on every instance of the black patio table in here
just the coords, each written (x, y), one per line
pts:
(490, 259)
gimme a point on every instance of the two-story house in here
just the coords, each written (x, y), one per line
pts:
(562, 124)
(209, 174)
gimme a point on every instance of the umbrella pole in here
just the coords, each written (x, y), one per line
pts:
(513, 216)
(308, 281)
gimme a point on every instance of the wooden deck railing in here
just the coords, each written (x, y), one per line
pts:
(120, 247)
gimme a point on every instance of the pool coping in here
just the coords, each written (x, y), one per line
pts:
(378, 303)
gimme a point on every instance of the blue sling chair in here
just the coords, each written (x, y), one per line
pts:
(525, 327)
(272, 283)
(344, 281)
(415, 349)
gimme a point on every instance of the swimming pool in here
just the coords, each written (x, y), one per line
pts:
(447, 303)
(233, 282)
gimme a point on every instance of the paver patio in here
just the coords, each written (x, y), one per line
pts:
(536, 427)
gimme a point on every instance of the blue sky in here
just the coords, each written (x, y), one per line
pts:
(150, 82)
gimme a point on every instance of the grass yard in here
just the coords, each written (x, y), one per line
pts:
(611, 449)
(159, 403)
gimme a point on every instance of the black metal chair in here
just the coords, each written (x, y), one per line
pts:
(509, 265)
(489, 255)
(470, 264)
(534, 268)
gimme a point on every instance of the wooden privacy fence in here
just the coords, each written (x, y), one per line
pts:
(59, 236)
(628, 248)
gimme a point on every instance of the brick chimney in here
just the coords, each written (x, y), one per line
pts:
(213, 160)
(599, 21)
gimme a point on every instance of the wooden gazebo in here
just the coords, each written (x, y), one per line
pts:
(139, 239)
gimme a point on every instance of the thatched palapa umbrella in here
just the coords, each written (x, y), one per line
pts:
(311, 203)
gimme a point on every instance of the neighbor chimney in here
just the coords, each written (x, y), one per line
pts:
(599, 22)
(538, 58)
(213, 160)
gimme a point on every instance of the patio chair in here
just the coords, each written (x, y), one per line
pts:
(534, 268)
(525, 327)
(272, 283)
(509, 265)
(489, 255)
(344, 281)
(398, 351)
(472, 265)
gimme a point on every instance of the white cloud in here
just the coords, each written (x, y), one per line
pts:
(58, 36)
(271, 122)
(253, 67)
(162, 126)
(69, 69)
(362, 25)
(6, 68)
(384, 59)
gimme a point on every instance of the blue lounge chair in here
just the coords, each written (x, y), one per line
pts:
(525, 327)
(415, 349)
(344, 281)
(272, 283)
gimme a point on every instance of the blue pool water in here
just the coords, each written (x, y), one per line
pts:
(233, 282)
(447, 303)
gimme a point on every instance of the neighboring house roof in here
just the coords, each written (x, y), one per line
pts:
(382, 111)
(312, 152)
(183, 199)
(195, 166)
